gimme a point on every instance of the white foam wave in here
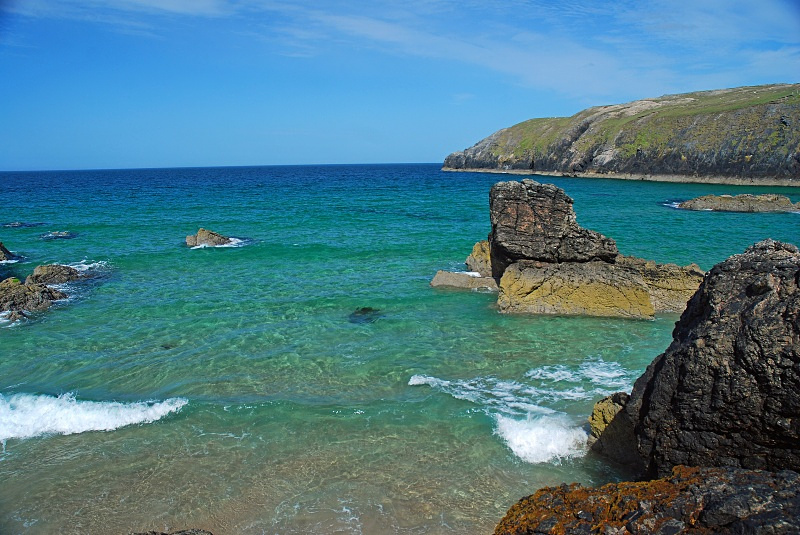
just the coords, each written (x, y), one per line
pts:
(10, 261)
(470, 273)
(85, 265)
(232, 242)
(27, 415)
(542, 440)
(672, 204)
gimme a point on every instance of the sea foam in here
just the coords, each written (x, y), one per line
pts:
(543, 439)
(27, 415)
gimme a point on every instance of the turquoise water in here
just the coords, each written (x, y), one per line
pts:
(228, 388)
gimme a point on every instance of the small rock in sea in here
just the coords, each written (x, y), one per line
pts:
(207, 237)
(365, 315)
(59, 235)
(17, 297)
(53, 274)
(5, 254)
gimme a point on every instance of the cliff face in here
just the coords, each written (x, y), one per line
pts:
(746, 134)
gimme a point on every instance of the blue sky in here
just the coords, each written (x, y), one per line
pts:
(170, 83)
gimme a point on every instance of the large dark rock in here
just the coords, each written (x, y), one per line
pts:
(727, 390)
(690, 500)
(5, 254)
(18, 298)
(53, 274)
(533, 221)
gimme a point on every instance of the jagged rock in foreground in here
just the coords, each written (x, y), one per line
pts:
(742, 203)
(5, 254)
(18, 298)
(691, 137)
(689, 500)
(53, 274)
(727, 390)
(548, 264)
(207, 237)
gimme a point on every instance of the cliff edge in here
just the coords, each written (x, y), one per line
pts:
(744, 135)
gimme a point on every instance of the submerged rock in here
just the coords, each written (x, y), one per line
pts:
(18, 298)
(727, 390)
(179, 532)
(742, 203)
(689, 500)
(466, 281)
(58, 235)
(365, 315)
(207, 237)
(53, 274)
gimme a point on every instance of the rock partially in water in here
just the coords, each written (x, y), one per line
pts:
(479, 260)
(365, 315)
(16, 297)
(5, 254)
(462, 280)
(58, 235)
(742, 203)
(208, 238)
(727, 390)
(689, 500)
(670, 286)
(22, 224)
(533, 221)
(573, 288)
(604, 412)
(53, 274)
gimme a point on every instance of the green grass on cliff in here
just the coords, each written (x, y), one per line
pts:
(651, 124)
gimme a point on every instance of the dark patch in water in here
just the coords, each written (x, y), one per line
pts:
(22, 224)
(365, 315)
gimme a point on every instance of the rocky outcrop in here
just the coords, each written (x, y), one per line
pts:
(207, 238)
(573, 288)
(53, 274)
(604, 412)
(533, 221)
(5, 254)
(17, 298)
(548, 264)
(464, 281)
(689, 500)
(726, 391)
(742, 203)
(479, 260)
(692, 137)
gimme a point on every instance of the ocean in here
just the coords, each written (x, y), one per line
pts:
(234, 389)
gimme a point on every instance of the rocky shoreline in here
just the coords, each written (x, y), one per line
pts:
(742, 203)
(542, 262)
(711, 430)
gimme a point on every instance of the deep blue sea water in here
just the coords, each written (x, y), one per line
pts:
(228, 389)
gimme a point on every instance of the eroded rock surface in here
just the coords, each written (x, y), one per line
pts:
(727, 390)
(479, 260)
(689, 500)
(53, 274)
(532, 221)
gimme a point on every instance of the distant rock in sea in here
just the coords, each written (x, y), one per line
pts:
(59, 235)
(543, 262)
(207, 238)
(742, 203)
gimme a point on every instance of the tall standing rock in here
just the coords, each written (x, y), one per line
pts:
(533, 221)
(727, 390)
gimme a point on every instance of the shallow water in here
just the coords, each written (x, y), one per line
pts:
(227, 388)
